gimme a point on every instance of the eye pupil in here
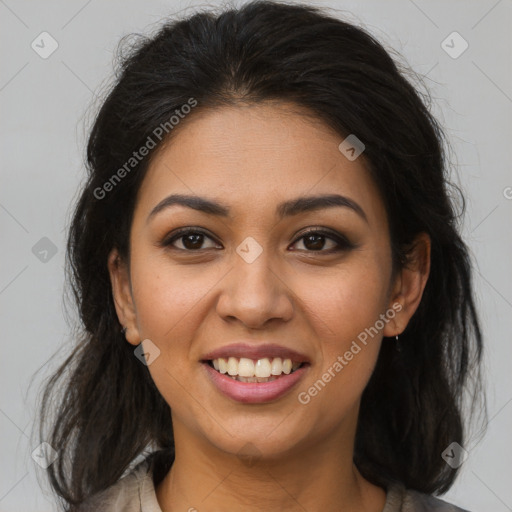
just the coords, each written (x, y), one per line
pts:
(196, 239)
(318, 241)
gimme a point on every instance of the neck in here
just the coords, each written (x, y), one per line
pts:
(313, 478)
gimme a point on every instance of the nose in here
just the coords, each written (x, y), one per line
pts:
(254, 293)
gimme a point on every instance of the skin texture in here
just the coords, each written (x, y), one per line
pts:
(251, 158)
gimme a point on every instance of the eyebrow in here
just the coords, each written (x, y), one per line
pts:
(286, 209)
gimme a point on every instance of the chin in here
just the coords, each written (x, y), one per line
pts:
(254, 440)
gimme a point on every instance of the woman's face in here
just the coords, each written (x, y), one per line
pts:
(249, 281)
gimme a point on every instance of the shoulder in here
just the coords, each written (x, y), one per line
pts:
(400, 499)
(134, 492)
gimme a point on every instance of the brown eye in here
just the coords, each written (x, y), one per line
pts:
(315, 241)
(191, 240)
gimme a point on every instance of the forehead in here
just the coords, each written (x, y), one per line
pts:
(254, 156)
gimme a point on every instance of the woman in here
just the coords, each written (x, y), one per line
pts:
(277, 304)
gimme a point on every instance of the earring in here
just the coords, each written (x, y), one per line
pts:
(398, 344)
(123, 330)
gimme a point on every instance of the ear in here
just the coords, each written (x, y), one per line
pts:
(409, 284)
(122, 294)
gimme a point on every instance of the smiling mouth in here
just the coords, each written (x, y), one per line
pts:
(244, 369)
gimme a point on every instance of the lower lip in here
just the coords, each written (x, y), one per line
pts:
(254, 392)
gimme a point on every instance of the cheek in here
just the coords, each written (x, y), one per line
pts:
(167, 296)
(175, 308)
(345, 308)
(344, 303)
(168, 304)
(167, 316)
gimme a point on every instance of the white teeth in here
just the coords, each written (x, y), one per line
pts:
(232, 366)
(277, 366)
(287, 366)
(262, 368)
(249, 370)
(245, 367)
(223, 365)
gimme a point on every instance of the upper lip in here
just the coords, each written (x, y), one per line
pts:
(259, 351)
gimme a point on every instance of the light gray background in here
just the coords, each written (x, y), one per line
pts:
(45, 114)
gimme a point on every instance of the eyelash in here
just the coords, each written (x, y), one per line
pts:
(343, 243)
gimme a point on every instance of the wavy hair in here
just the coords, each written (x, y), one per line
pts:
(101, 407)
